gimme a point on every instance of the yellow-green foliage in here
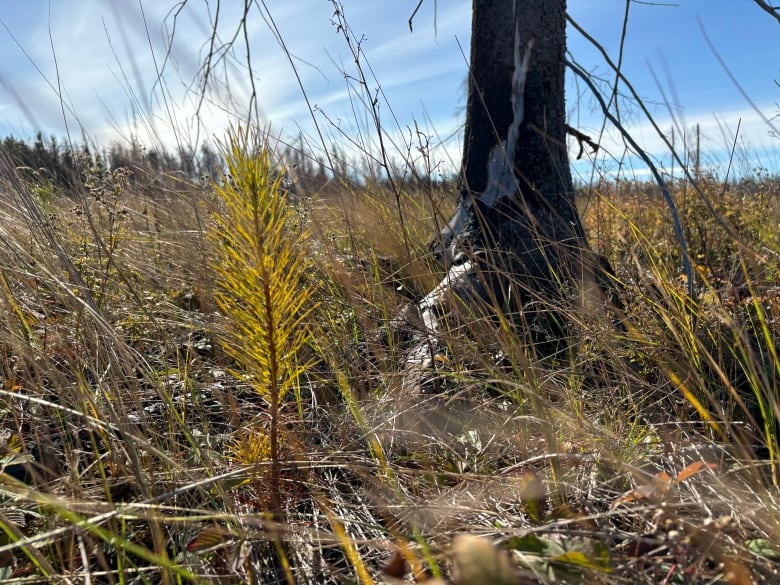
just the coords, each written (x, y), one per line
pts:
(260, 269)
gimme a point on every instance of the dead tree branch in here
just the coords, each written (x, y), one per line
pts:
(769, 9)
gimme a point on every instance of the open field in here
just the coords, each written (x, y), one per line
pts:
(189, 394)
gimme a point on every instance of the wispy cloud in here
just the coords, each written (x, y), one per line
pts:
(109, 57)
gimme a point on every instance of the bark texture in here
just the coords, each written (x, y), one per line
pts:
(515, 237)
(542, 211)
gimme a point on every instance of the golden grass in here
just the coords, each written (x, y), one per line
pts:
(135, 447)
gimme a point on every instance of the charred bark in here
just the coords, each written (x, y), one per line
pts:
(538, 208)
(516, 236)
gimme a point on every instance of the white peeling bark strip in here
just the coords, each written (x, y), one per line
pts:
(501, 179)
(434, 299)
(429, 308)
(501, 182)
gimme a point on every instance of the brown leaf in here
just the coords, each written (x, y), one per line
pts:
(693, 469)
(13, 384)
(396, 566)
(404, 561)
(641, 492)
(735, 573)
(661, 482)
(208, 537)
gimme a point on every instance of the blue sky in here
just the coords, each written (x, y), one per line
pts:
(91, 67)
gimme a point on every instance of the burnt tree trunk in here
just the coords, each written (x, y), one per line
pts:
(537, 224)
(515, 238)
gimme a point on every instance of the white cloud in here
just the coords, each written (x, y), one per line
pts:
(752, 146)
(108, 63)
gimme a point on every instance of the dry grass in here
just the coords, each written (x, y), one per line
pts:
(134, 449)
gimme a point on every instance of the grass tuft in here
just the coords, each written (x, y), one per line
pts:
(164, 419)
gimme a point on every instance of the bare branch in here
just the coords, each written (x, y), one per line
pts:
(678, 231)
(582, 74)
(417, 8)
(582, 139)
(411, 18)
(769, 9)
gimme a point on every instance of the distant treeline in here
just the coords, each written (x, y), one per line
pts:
(61, 165)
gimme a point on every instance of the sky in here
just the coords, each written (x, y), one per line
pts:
(110, 70)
